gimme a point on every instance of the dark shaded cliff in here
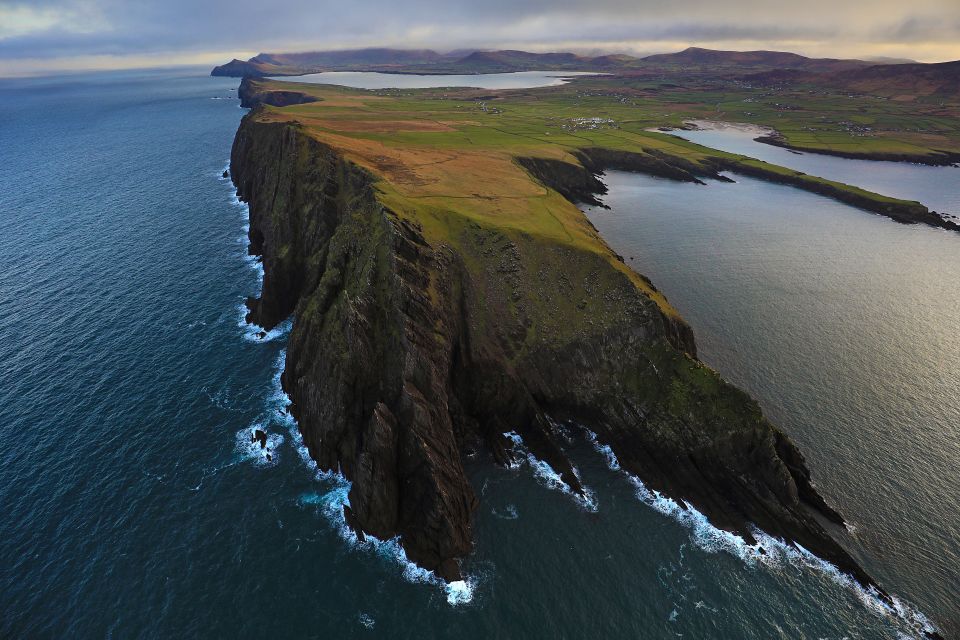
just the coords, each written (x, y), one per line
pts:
(252, 94)
(406, 352)
(658, 163)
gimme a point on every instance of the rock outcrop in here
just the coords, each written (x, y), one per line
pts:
(902, 211)
(240, 69)
(406, 352)
(252, 94)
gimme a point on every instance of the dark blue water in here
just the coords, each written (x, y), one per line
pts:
(133, 504)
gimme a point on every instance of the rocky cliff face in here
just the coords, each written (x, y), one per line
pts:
(405, 353)
(252, 94)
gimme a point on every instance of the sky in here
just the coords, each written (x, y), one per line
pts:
(38, 36)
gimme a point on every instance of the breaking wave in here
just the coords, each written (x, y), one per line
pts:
(548, 477)
(330, 505)
(255, 333)
(768, 551)
(331, 502)
(249, 331)
(250, 448)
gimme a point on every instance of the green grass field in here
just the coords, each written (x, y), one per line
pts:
(445, 157)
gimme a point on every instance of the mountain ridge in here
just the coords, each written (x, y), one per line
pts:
(505, 60)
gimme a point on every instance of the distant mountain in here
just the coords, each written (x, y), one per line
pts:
(423, 60)
(769, 66)
(614, 60)
(245, 68)
(509, 60)
(697, 57)
(888, 60)
(903, 81)
(278, 64)
(352, 57)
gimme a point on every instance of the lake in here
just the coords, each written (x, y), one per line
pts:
(374, 80)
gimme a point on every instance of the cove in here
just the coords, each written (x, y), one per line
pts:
(845, 326)
(936, 187)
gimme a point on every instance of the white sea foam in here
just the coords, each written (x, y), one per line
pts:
(604, 450)
(255, 333)
(768, 551)
(255, 264)
(275, 415)
(547, 476)
(249, 448)
(330, 505)
(252, 332)
(508, 512)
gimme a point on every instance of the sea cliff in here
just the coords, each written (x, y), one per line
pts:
(408, 351)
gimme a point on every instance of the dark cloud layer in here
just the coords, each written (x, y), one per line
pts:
(61, 29)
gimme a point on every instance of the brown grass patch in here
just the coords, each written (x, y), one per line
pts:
(378, 126)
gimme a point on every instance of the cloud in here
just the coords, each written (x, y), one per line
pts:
(59, 29)
(22, 19)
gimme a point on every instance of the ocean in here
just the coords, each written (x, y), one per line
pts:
(135, 505)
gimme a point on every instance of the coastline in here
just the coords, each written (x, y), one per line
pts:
(940, 159)
(562, 176)
(645, 457)
(902, 211)
(769, 135)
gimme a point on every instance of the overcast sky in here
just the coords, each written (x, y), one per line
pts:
(38, 35)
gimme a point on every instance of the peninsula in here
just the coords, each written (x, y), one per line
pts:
(446, 290)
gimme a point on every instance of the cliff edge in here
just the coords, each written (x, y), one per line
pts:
(412, 346)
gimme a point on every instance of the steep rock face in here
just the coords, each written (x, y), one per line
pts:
(240, 69)
(405, 353)
(369, 355)
(252, 94)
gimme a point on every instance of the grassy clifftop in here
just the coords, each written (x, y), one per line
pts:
(456, 150)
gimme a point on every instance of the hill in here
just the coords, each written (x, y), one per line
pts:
(510, 60)
(898, 81)
(697, 57)
(903, 81)
(693, 59)
(276, 64)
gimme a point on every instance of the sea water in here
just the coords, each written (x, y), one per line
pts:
(845, 326)
(135, 503)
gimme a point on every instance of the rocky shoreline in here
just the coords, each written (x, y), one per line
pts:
(405, 354)
(772, 137)
(902, 211)
(937, 159)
